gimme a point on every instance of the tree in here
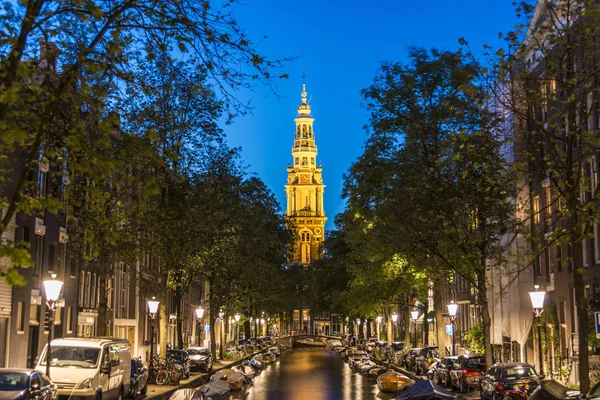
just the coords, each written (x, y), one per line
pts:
(102, 48)
(432, 177)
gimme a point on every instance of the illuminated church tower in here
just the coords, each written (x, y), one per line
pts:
(305, 188)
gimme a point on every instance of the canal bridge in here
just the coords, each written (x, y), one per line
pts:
(307, 340)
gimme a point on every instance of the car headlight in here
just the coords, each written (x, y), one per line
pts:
(85, 384)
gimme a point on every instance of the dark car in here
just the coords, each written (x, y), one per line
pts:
(22, 384)
(467, 371)
(182, 358)
(139, 377)
(200, 358)
(426, 356)
(443, 370)
(503, 377)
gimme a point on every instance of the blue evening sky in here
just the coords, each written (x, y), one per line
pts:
(341, 44)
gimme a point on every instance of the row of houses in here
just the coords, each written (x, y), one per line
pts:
(125, 289)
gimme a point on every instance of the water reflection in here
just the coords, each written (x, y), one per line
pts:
(313, 374)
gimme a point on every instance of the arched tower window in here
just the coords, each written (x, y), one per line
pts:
(305, 253)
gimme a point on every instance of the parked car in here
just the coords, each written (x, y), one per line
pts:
(89, 367)
(182, 358)
(424, 358)
(139, 377)
(410, 359)
(200, 358)
(467, 371)
(444, 367)
(25, 384)
(503, 377)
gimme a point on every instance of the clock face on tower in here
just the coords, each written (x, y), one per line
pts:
(305, 179)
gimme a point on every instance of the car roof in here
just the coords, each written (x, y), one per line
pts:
(87, 342)
(471, 356)
(512, 365)
(450, 357)
(17, 370)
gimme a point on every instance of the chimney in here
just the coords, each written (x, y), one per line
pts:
(48, 55)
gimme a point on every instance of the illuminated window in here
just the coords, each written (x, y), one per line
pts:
(20, 317)
(312, 160)
(536, 209)
(297, 160)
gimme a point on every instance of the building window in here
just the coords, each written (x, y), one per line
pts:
(305, 253)
(39, 254)
(297, 160)
(41, 183)
(93, 292)
(20, 318)
(312, 160)
(304, 160)
(69, 319)
(88, 289)
(81, 288)
(536, 209)
(559, 260)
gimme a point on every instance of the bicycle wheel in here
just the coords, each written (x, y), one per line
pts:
(162, 377)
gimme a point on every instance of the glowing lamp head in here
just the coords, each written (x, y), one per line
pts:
(52, 288)
(153, 306)
(537, 298)
(414, 314)
(358, 321)
(262, 320)
(221, 314)
(394, 317)
(236, 317)
(379, 318)
(199, 312)
(452, 308)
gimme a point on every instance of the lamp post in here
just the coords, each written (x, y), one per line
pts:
(52, 288)
(537, 302)
(452, 310)
(199, 316)
(415, 316)
(379, 319)
(394, 320)
(358, 328)
(237, 326)
(152, 310)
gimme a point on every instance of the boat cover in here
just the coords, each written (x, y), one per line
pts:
(216, 390)
(424, 389)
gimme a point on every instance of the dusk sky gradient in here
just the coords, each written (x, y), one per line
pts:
(341, 44)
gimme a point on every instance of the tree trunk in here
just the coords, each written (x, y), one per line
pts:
(369, 328)
(163, 325)
(407, 326)
(582, 309)
(246, 329)
(213, 342)
(485, 314)
(390, 324)
(439, 318)
(178, 312)
(425, 324)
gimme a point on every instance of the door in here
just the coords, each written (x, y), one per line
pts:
(3, 341)
(32, 345)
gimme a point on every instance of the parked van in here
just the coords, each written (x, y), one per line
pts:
(92, 368)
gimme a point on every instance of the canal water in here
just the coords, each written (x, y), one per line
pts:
(314, 374)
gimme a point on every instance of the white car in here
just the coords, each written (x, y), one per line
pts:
(90, 368)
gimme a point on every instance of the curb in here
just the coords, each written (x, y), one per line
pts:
(199, 380)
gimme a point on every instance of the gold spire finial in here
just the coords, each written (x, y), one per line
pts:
(304, 94)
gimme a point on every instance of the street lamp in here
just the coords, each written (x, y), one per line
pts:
(379, 319)
(452, 310)
(52, 288)
(415, 316)
(537, 302)
(199, 316)
(394, 320)
(152, 310)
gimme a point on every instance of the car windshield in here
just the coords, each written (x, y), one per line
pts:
(516, 373)
(478, 362)
(595, 392)
(176, 355)
(197, 352)
(12, 381)
(73, 357)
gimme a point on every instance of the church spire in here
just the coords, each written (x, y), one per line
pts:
(304, 108)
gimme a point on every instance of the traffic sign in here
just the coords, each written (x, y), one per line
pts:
(597, 319)
(449, 329)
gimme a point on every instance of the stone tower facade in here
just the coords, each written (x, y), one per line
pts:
(305, 188)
